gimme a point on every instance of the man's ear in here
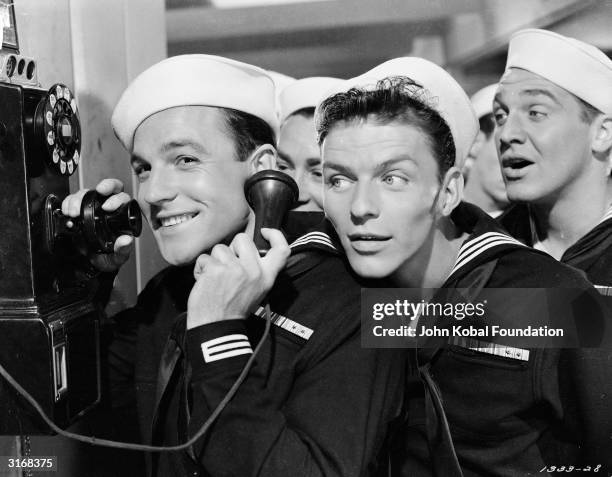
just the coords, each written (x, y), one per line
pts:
(602, 137)
(264, 157)
(451, 192)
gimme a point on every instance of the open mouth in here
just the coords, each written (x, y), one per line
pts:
(515, 168)
(515, 163)
(174, 220)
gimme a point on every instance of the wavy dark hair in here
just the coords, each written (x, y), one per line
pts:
(397, 98)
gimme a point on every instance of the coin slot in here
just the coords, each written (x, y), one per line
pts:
(60, 375)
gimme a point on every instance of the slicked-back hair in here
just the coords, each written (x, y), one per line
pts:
(394, 99)
(249, 132)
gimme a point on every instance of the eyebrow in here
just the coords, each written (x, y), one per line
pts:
(178, 143)
(391, 162)
(538, 92)
(337, 167)
(169, 146)
(530, 92)
(379, 168)
(284, 157)
(311, 161)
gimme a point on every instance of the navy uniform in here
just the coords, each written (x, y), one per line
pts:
(299, 222)
(515, 413)
(476, 407)
(584, 72)
(314, 403)
(592, 253)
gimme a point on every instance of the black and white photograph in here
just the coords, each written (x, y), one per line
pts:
(305, 238)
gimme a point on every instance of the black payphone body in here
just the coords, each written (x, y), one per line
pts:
(48, 324)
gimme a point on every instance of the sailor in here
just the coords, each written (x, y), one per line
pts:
(553, 111)
(298, 151)
(484, 185)
(315, 402)
(393, 144)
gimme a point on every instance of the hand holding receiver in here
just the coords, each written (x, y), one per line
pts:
(108, 225)
(232, 281)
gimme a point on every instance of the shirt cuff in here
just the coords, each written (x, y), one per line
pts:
(212, 344)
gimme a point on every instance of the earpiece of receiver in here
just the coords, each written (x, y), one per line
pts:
(99, 228)
(271, 194)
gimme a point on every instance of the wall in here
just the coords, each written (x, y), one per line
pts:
(476, 43)
(113, 41)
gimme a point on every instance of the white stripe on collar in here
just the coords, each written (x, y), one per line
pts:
(473, 248)
(312, 241)
(607, 215)
(470, 245)
(315, 238)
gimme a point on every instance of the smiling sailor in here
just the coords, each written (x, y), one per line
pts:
(314, 402)
(554, 138)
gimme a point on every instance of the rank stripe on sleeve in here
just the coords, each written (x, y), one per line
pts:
(604, 290)
(286, 324)
(490, 348)
(226, 347)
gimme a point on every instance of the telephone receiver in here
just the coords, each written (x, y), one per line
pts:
(271, 194)
(98, 227)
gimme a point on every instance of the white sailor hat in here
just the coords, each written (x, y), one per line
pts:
(304, 93)
(482, 100)
(444, 95)
(580, 68)
(280, 82)
(194, 80)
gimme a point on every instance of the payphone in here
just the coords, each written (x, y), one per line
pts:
(48, 323)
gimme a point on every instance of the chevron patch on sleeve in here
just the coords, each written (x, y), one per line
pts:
(226, 347)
